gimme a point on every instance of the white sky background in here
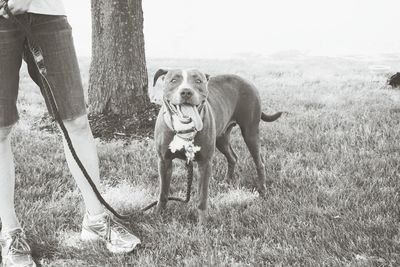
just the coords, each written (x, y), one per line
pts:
(222, 28)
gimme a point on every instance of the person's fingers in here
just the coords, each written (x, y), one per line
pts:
(3, 13)
(14, 9)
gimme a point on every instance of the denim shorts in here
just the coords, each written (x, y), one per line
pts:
(53, 35)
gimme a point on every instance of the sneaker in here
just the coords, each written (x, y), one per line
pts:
(15, 250)
(102, 227)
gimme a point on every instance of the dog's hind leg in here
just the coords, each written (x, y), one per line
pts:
(165, 173)
(252, 139)
(224, 146)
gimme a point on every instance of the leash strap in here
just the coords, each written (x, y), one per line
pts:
(37, 55)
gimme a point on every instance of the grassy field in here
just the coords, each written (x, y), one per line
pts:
(334, 158)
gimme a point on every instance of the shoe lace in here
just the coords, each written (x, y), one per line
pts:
(18, 244)
(119, 228)
(108, 231)
(111, 226)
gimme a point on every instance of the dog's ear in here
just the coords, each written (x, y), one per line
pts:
(207, 76)
(160, 72)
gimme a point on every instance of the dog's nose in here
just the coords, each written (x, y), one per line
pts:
(186, 93)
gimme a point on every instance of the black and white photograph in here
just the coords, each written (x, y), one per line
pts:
(199, 133)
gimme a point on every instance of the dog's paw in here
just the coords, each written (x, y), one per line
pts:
(160, 209)
(264, 191)
(262, 194)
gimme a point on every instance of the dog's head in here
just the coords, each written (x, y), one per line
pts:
(183, 87)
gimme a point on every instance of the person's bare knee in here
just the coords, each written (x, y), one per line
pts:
(5, 133)
(78, 126)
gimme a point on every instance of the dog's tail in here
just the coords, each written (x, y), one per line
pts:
(270, 118)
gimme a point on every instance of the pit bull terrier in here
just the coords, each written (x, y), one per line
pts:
(214, 105)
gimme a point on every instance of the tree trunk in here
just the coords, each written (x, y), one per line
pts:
(118, 76)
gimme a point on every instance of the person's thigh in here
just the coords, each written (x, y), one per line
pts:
(11, 47)
(54, 36)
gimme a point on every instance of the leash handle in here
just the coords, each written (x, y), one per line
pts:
(35, 49)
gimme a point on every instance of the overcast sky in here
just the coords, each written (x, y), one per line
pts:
(221, 28)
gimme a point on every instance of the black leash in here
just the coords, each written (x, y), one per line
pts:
(37, 55)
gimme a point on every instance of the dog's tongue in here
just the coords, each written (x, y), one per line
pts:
(193, 113)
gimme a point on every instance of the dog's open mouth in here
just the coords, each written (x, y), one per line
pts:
(188, 113)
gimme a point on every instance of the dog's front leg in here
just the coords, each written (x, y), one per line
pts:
(165, 173)
(204, 178)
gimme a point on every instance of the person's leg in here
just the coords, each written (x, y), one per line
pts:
(83, 142)
(53, 34)
(11, 43)
(15, 250)
(7, 182)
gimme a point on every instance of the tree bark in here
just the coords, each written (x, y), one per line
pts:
(118, 81)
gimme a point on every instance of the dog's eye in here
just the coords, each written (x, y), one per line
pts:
(199, 81)
(173, 81)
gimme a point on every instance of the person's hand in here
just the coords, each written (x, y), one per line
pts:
(16, 7)
(2, 4)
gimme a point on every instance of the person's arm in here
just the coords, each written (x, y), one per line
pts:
(16, 7)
